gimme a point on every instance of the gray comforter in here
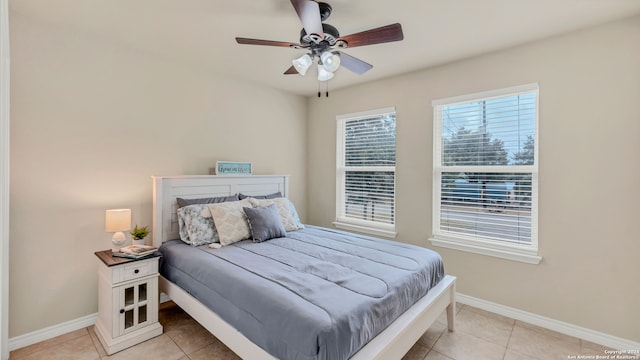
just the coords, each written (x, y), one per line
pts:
(316, 294)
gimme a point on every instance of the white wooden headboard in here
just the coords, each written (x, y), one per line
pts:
(167, 188)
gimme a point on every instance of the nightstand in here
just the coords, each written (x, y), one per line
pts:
(128, 301)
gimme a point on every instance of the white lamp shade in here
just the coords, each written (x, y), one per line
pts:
(117, 220)
(324, 75)
(330, 61)
(302, 64)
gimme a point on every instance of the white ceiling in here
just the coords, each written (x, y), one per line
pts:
(202, 32)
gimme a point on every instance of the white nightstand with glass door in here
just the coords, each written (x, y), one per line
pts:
(128, 301)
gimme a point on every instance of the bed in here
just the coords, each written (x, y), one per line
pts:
(253, 333)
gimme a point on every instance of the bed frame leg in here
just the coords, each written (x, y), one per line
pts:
(451, 316)
(451, 310)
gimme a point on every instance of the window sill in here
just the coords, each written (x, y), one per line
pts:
(365, 230)
(503, 252)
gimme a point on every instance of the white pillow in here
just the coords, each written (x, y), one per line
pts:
(231, 221)
(282, 204)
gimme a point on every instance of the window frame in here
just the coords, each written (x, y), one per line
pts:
(496, 248)
(351, 224)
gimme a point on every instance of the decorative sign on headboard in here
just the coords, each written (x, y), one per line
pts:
(233, 168)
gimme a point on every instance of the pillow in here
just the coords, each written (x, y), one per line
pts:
(212, 200)
(284, 210)
(230, 220)
(265, 223)
(196, 225)
(296, 217)
(269, 196)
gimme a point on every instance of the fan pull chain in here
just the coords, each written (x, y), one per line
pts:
(326, 94)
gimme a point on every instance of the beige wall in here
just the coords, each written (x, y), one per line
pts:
(589, 172)
(91, 121)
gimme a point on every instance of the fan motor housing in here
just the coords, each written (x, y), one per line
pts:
(331, 34)
(325, 10)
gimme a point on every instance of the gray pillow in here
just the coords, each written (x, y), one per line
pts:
(265, 223)
(268, 196)
(212, 200)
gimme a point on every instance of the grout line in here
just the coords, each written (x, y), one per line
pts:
(94, 344)
(513, 326)
(439, 353)
(435, 342)
(178, 346)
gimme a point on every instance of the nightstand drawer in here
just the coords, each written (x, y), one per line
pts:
(135, 270)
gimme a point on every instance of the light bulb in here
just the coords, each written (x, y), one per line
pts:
(330, 61)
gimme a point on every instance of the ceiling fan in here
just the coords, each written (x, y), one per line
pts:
(322, 40)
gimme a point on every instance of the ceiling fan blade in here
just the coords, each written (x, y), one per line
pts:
(248, 41)
(290, 71)
(309, 13)
(379, 35)
(354, 64)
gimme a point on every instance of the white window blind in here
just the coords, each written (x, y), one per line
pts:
(365, 174)
(486, 170)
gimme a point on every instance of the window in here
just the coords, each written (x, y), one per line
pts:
(365, 172)
(485, 170)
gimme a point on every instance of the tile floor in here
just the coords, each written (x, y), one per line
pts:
(479, 335)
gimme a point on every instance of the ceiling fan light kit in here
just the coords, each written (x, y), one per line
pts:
(322, 41)
(330, 61)
(302, 64)
(323, 74)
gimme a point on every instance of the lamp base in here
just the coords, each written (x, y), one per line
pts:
(117, 241)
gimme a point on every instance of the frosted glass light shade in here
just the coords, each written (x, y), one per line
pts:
(330, 61)
(117, 220)
(302, 64)
(324, 75)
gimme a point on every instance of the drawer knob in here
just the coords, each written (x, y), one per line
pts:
(121, 311)
(136, 271)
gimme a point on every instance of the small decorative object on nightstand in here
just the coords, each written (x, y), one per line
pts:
(128, 301)
(138, 234)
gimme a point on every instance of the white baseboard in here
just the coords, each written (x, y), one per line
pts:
(551, 324)
(60, 329)
(542, 321)
(51, 332)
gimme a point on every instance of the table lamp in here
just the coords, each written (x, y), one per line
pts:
(117, 221)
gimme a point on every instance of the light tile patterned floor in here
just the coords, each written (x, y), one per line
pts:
(479, 335)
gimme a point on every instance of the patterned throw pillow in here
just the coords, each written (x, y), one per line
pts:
(231, 221)
(196, 225)
(282, 204)
(294, 213)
